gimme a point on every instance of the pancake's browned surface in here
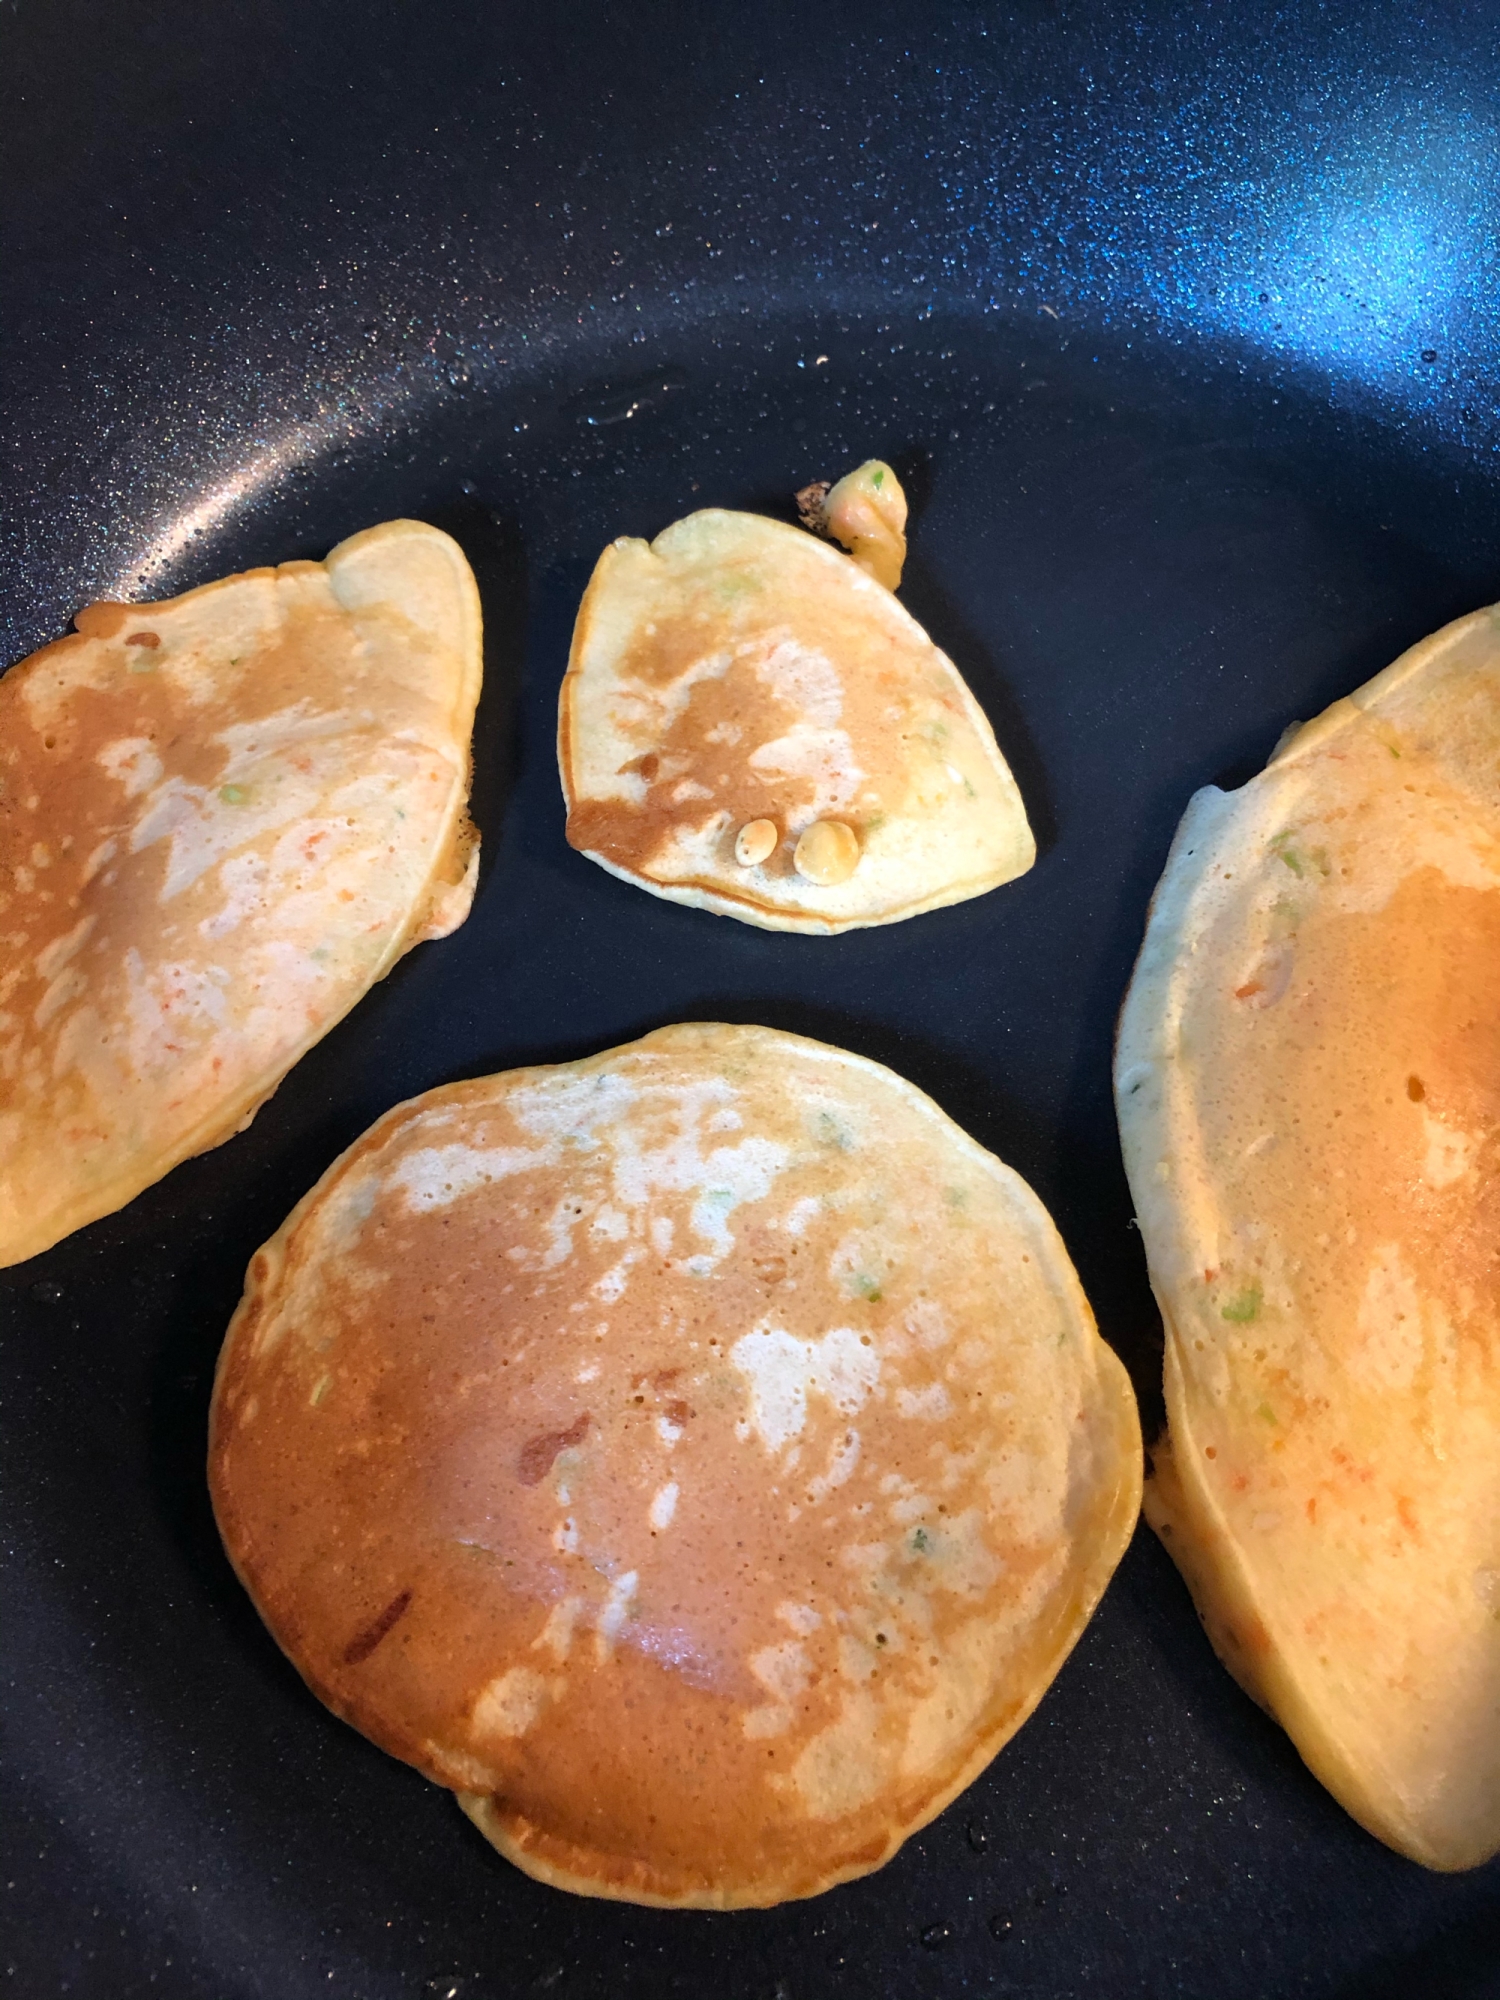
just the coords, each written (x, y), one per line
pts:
(700, 1457)
(1309, 1089)
(222, 818)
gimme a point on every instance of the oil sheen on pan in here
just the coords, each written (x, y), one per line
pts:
(752, 724)
(700, 1457)
(222, 819)
(1308, 1082)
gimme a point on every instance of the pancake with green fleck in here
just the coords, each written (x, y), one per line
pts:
(1308, 1080)
(751, 723)
(222, 819)
(700, 1457)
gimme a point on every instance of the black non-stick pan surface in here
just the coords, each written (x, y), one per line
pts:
(1180, 325)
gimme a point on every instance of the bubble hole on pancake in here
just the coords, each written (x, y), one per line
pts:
(222, 819)
(1308, 1083)
(700, 1457)
(737, 670)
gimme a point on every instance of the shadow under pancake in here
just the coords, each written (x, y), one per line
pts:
(496, 552)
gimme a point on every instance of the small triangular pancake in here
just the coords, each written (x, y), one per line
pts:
(751, 723)
(1308, 1082)
(222, 819)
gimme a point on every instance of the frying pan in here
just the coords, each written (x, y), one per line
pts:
(1179, 323)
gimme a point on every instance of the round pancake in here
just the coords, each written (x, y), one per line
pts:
(700, 1457)
(1308, 1080)
(222, 819)
(737, 670)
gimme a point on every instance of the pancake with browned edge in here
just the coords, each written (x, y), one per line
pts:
(700, 1457)
(1308, 1080)
(222, 819)
(751, 723)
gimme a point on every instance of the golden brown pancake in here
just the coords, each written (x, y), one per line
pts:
(700, 1457)
(751, 723)
(222, 819)
(1308, 1080)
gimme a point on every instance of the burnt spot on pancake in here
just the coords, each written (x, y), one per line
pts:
(363, 1644)
(538, 1457)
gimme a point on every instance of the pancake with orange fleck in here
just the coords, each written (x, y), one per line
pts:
(700, 1457)
(222, 819)
(750, 723)
(1308, 1080)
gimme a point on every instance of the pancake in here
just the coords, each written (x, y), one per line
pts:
(700, 1457)
(750, 723)
(222, 819)
(1308, 1082)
